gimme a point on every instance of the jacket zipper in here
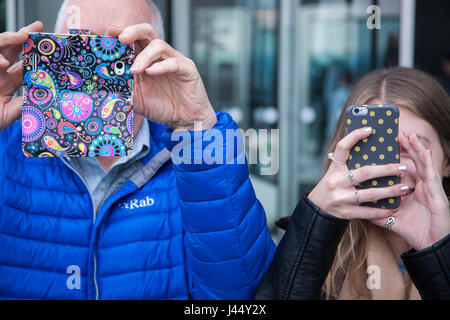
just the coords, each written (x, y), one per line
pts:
(97, 291)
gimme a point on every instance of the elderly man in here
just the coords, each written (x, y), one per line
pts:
(139, 227)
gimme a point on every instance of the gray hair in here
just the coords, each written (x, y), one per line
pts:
(155, 14)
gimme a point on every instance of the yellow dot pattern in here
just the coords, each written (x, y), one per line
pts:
(378, 149)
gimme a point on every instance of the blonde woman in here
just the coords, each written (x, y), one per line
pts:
(337, 249)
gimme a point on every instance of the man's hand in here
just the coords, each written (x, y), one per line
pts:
(11, 74)
(168, 86)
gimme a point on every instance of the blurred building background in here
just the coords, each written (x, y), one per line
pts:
(287, 64)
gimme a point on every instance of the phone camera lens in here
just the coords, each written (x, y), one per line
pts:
(119, 68)
(356, 110)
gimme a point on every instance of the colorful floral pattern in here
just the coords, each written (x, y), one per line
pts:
(77, 96)
(107, 48)
(107, 146)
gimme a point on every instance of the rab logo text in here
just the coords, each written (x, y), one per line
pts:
(138, 203)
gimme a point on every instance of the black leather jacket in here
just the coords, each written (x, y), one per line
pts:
(307, 251)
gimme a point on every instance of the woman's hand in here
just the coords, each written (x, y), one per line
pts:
(169, 89)
(424, 218)
(336, 193)
(11, 74)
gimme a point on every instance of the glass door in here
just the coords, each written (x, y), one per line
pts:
(335, 48)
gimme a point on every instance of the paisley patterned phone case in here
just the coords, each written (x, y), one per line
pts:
(77, 96)
(381, 148)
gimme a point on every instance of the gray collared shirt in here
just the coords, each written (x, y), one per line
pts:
(103, 184)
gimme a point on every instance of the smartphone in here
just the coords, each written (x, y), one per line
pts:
(381, 148)
(77, 95)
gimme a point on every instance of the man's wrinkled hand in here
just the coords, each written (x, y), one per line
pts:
(168, 87)
(11, 74)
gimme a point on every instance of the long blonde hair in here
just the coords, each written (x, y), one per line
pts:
(405, 87)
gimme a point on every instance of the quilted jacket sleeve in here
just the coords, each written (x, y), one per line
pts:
(430, 270)
(228, 247)
(304, 256)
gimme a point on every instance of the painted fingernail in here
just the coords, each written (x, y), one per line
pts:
(405, 189)
(368, 129)
(402, 168)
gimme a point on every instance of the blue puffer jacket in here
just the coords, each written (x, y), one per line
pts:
(171, 232)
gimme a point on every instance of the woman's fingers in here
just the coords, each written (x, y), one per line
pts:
(432, 180)
(344, 146)
(381, 222)
(367, 213)
(406, 145)
(416, 144)
(372, 172)
(376, 194)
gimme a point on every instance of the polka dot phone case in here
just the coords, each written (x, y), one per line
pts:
(77, 96)
(381, 148)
